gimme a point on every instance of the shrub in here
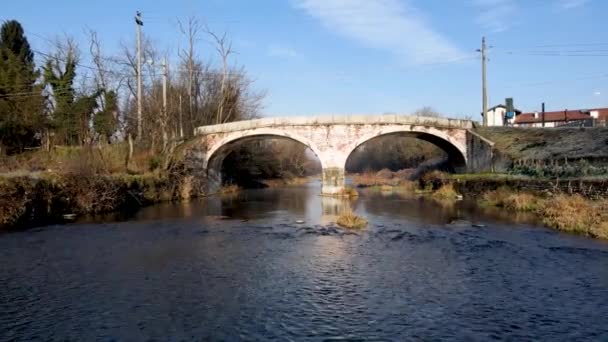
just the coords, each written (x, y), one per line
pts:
(446, 192)
(229, 189)
(404, 175)
(407, 186)
(351, 221)
(366, 179)
(522, 201)
(349, 192)
(154, 163)
(570, 213)
(496, 198)
(386, 188)
(385, 174)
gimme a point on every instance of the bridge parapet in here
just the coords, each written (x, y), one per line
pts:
(336, 120)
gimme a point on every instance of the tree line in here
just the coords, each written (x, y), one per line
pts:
(70, 100)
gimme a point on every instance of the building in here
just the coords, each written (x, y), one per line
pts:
(579, 117)
(497, 116)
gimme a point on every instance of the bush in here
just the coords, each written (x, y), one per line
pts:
(446, 192)
(349, 192)
(522, 201)
(569, 213)
(351, 221)
(553, 169)
(385, 174)
(154, 163)
(496, 198)
(386, 188)
(229, 189)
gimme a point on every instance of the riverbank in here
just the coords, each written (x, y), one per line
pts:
(29, 199)
(294, 181)
(577, 206)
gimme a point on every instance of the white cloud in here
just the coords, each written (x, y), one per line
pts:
(495, 15)
(597, 93)
(391, 25)
(281, 51)
(570, 4)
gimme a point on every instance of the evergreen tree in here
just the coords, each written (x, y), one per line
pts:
(21, 101)
(106, 122)
(60, 76)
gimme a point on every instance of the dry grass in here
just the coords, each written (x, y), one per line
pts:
(370, 179)
(446, 192)
(350, 220)
(547, 144)
(349, 192)
(496, 198)
(101, 159)
(387, 188)
(569, 213)
(383, 177)
(523, 201)
(229, 190)
(295, 181)
(505, 198)
(577, 214)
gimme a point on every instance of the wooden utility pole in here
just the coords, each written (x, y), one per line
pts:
(484, 82)
(543, 115)
(140, 23)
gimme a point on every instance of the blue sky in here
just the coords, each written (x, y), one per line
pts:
(371, 56)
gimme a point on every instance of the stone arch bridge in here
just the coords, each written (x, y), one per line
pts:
(334, 138)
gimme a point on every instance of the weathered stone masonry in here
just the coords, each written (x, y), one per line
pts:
(334, 138)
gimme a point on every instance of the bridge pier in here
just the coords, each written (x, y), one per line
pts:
(333, 181)
(214, 181)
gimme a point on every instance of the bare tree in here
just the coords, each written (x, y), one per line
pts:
(429, 112)
(224, 48)
(191, 30)
(98, 60)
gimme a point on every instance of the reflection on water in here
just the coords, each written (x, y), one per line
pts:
(243, 268)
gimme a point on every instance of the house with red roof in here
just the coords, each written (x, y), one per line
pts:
(579, 117)
(582, 117)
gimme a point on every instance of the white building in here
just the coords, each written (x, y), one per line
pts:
(497, 116)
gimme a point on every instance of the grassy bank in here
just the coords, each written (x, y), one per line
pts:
(29, 199)
(558, 207)
(570, 213)
(294, 181)
(382, 178)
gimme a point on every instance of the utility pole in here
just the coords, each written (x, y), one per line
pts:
(140, 23)
(543, 114)
(484, 83)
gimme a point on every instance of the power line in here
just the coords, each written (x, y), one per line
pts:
(583, 78)
(558, 54)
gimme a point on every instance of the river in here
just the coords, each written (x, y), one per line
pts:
(243, 268)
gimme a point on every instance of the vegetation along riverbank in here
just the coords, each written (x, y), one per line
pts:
(573, 205)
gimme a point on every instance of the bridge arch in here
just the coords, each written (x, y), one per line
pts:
(455, 149)
(219, 149)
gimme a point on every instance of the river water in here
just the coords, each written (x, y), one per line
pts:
(242, 268)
